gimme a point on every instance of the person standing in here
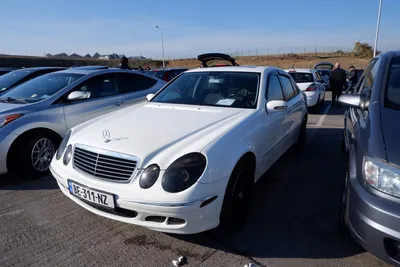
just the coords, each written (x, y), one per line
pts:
(353, 78)
(124, 64)
(337, 81)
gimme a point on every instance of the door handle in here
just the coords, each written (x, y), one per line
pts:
(119, 103)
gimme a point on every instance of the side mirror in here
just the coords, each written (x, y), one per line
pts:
(150, 97)
(76, 95)
(275, 106)
(355, 101)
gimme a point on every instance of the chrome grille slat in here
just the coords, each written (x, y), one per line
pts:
(112, 160)
(104, 164)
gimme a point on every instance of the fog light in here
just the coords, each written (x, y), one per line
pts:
(67, 155)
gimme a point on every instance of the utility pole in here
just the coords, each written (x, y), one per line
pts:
(162, 45)
(377, 27)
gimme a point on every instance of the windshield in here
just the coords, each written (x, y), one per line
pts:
(9, 79)
(393, 85)
(302, 77)
(42, 87)
(224, 89)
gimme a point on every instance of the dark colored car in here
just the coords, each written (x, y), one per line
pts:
(206, 58)
(167, 74)
(6, 70)
(19, 76)
(371, 191)
(324, 69)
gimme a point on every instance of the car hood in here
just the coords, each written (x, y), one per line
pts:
(7, 107)
(391, 133)
(159, 132)
(303, 86)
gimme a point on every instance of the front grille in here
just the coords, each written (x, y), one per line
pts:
(104, 164)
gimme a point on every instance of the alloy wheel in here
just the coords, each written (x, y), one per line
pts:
(42, 153)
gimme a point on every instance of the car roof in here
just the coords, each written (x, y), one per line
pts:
(166, 69)
(256, 69)
(102, 71)
(7, 68)
(90, 67)
(39, 68)
(299, 70)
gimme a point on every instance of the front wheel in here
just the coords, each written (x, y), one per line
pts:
(237, 199)
(34, 156)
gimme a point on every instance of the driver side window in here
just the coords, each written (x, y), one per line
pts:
(99, 86)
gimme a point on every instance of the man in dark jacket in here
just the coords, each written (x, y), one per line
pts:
(124, 63)
(337, 81)
(353, 78)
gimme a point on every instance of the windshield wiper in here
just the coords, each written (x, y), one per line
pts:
(13, 100)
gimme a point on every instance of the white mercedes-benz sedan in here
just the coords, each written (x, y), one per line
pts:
(185, 161)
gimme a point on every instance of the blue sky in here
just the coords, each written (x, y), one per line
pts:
(191, 27)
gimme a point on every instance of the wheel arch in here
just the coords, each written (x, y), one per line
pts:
(25, 136)
(247, 158)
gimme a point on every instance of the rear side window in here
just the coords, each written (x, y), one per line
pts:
(302, 77)
(288, 90)
(392, 98)
(159, 74)
(128, 83)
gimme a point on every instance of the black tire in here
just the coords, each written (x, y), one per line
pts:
(237, 199)
(22, 162)
(302, 136)
(344, 205)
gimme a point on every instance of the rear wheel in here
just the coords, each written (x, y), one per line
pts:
(302, 135)
(237, 199)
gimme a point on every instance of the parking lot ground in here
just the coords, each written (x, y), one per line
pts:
(293, 220)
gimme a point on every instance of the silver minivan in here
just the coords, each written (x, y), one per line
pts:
(35, 115)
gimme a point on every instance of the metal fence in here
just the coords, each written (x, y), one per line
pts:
(277, 51)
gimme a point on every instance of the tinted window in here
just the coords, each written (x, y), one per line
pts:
(288, 90)
(369, 76)
(42, 87)
(9, 79)
(274, 91)
(214, 88)
(302, 77)
(159, 74)
(128, 83)
(393, 85)
(99, 86)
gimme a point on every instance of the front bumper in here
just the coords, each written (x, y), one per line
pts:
(374, 222)
(6, 139)
(196, 219)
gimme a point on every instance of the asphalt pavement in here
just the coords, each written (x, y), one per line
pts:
(293, 220)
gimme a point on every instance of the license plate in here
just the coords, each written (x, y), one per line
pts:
(91, 195)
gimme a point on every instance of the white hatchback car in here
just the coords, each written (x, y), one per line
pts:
(311, 83)
(185, 161)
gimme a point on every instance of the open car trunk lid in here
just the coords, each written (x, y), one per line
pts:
(204, 58)
(323, 65)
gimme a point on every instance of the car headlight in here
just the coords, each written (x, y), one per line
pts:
(149, 176)
(63, 145)
(382, 176)
(184, 172)
(7, 119)
(67, 155)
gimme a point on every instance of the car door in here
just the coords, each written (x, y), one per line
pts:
(134, 87)
(272, 125)
(354, 118)
(103, 98)
(294, 101)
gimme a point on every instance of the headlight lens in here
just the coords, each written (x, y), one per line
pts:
(63, 145)
(67, 155)
(7, 119)
(382, 176)
(184, 172)
(149, 176)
